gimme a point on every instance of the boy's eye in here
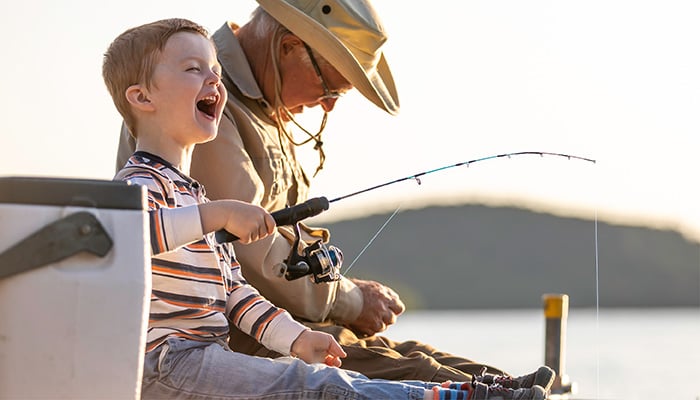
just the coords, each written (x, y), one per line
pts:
(196, 69)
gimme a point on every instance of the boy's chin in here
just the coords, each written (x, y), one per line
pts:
(209, 138)
(206, 136)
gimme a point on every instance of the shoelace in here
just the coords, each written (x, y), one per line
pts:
(501, 379)
(497, 379)
(479, 377)
(497, 389)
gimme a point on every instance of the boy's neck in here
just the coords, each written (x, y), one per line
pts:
(180, 157)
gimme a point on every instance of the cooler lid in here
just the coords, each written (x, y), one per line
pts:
(75, 192)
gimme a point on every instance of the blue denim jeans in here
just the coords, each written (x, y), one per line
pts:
(185, 369)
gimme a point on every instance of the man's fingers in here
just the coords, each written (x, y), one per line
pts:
(379, 326)
(390, 318)
(396, 305)
(392, 300)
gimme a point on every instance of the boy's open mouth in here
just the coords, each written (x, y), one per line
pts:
(208, 106)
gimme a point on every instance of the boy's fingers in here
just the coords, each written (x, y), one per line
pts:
(269, 223)
(333, 361)
(335, 350)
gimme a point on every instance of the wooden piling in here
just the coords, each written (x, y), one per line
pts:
(556, 312)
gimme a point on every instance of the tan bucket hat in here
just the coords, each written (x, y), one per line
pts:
(349, 35)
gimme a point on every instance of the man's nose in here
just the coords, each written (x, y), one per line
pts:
(328, 104)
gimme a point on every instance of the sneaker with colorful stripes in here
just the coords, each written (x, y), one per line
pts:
(544, 377)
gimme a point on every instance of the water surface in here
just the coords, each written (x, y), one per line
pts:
(626, 354)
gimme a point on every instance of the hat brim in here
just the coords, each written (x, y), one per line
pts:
(377, 84)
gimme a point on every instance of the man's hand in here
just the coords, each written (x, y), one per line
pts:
(318, 347)
(380, 308)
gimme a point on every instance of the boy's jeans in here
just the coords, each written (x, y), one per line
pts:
(185, 369)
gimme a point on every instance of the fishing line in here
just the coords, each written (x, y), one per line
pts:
(417, 176)
(597, 301)
(372, 240)
(597, 308)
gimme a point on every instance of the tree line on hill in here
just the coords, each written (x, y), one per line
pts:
(476, 256)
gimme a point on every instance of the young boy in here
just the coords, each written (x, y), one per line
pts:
(165, 81)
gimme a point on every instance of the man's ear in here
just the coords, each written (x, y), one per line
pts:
(137, 96)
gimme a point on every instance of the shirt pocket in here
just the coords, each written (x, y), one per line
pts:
(282, 179)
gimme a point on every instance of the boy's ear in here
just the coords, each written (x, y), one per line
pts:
(137, 96)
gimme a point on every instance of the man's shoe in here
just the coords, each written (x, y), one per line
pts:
(544, 377)
(481, 391)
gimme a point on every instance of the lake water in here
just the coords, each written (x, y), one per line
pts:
(625, 354)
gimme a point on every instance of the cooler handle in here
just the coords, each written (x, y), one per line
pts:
(56, 241)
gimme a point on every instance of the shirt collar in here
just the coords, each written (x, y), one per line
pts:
(235, 64)
(150, 158)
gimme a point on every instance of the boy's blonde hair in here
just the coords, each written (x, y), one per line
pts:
(130, 59)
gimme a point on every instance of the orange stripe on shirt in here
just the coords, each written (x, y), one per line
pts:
(158, 231)
(245, 308)
(175, 272)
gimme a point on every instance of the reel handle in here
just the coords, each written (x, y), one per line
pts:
(286, 216)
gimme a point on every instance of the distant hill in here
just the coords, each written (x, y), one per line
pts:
(476, 256)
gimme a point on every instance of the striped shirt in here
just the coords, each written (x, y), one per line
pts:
(197, 282)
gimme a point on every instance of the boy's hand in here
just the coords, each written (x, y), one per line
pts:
(313, 347)
(247, 221)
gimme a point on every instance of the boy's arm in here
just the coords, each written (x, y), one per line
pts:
(271, 326)
(171, 228)
(274, 328)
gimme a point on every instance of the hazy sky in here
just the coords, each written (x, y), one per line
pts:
(613, 80)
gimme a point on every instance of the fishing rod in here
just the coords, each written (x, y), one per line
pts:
(323, 261)
(316, 205)
(417, 176)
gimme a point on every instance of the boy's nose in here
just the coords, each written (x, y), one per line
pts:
(213, 79)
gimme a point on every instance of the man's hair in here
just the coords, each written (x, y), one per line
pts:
(131, 57)
(265, 25)
(268, 28)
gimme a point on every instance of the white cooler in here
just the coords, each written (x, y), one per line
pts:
(75, 286)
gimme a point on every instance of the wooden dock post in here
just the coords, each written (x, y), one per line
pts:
(556, 312)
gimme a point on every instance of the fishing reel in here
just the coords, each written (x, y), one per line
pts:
(319, 260)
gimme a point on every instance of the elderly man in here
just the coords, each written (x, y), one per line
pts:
(294, 54)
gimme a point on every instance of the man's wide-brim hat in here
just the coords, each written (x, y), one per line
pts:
(349, 35)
